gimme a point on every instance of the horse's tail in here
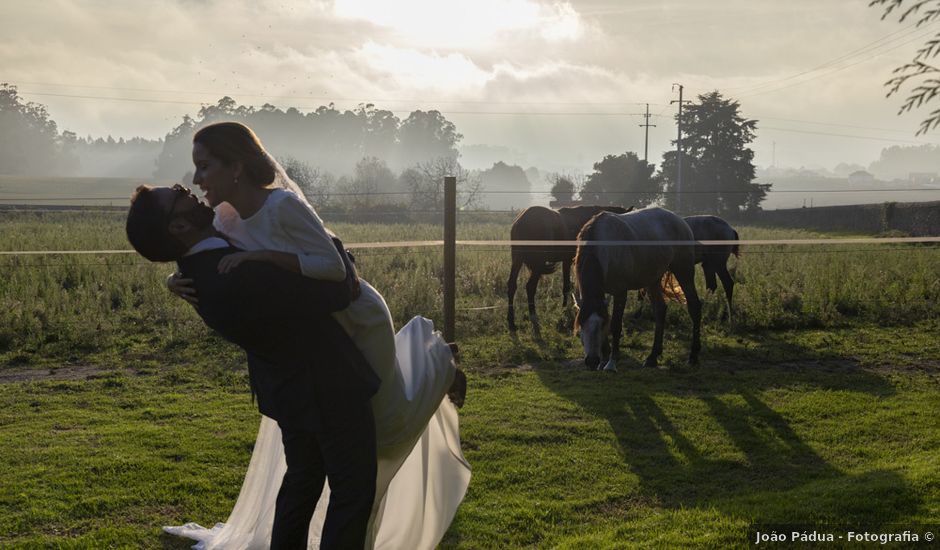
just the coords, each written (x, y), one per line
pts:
(671, 288)
(734, 247)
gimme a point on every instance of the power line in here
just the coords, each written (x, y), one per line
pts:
(324, 98)
(867, 48)
(837, 69)
(523, 113)
(309, 109)
(871, 138)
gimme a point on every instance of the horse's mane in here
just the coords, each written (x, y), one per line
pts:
(586, 263)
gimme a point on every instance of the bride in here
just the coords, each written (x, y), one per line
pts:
(422, 474)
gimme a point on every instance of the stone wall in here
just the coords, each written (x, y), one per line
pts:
(916, 219)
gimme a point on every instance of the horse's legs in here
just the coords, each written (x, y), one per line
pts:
(511, 291)
(616, 328)
(565, 281)
(640, 302)
(686, 278)
(728, 283)
(530, 288)
(655, 294)
(709, 270)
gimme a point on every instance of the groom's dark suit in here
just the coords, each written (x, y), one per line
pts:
(307, 375)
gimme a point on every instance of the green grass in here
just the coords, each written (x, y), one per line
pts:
(561, 457)
(120, 413)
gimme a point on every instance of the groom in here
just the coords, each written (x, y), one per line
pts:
(303, 367)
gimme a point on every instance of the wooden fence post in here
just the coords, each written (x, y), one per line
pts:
(450, 256)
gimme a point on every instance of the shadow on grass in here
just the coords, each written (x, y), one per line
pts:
(746, 459)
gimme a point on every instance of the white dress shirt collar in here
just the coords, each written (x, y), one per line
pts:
(209, 243)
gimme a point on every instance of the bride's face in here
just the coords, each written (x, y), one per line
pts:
(214, 177)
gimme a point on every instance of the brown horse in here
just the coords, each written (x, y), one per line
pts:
(538, 223)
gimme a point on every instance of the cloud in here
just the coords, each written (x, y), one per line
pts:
(472, 24)
(495, 55)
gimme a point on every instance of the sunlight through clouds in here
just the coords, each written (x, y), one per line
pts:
(412, 69)
(463, 23)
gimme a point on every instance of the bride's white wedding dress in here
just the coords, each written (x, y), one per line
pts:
(422, 474)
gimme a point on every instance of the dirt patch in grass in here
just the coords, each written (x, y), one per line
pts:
(69, 372)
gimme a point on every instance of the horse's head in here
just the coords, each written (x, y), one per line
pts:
(592, 323)
(592, 320)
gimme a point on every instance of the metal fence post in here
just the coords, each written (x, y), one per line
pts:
(450, 256)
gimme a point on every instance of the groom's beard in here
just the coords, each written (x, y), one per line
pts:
(201, 216)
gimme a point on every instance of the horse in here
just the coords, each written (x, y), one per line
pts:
(538, 223)
(714, 259)
(617, 269)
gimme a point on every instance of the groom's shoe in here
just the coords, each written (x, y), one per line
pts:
(458, 390)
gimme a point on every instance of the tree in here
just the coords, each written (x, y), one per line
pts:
(718, 166)
(427, 135)
(621, 180)
(563, 187)
(918, 68)
(425, 181)
(898, 162)
(315, 184)
(371, 176)
(29, 139)
(331, 139)
(506, 186)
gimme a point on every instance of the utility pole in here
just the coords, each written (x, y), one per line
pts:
(646, 141)
(679, 149)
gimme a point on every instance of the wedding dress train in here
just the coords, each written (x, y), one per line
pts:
(422, 474)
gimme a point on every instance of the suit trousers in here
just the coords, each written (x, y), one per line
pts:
(342, 451)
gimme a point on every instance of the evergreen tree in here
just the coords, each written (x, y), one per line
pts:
(717, 167)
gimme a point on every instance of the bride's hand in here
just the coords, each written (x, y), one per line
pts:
(231, 261)
(182, 287)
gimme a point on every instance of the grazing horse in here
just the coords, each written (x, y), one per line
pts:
(617, 269)
(714, 259)
(538, 223)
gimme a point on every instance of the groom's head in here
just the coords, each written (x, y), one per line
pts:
(164, 222)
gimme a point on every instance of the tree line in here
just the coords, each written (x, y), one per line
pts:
(368, 157)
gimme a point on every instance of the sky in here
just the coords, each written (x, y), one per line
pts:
(556, 85)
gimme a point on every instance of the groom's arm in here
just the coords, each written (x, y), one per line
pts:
(262, 287)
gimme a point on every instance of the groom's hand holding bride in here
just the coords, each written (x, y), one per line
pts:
(184, 288)
(230, 262)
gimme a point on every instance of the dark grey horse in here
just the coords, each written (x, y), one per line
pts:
(538, 223)
(714, 259)
(617, 269)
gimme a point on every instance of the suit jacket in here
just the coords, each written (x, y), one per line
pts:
(301, 363)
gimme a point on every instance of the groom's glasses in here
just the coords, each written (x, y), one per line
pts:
(178, 192)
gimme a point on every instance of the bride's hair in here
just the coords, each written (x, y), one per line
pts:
(233, 142)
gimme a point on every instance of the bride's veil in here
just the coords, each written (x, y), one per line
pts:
(282, 180)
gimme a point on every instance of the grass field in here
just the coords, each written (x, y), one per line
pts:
(120, 413)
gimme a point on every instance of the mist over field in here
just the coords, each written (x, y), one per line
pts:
(546, 88)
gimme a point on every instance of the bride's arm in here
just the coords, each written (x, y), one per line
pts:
(318, 259)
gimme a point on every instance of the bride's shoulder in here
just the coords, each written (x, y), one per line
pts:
(225, 216)
(287, 202)
(281, 197)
